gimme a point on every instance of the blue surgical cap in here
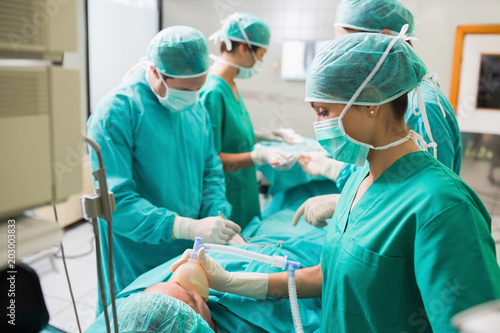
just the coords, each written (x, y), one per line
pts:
(256, 30)
(343, 64)
(374, 15)
(179, 52)
(153, 312)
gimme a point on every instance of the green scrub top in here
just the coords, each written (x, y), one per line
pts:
(444, 130)
(414, 251)
(159, 163)
(233, 134)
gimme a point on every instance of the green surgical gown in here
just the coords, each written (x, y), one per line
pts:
(233, 134)
(444, 130)
(415, 250)
(159, 163)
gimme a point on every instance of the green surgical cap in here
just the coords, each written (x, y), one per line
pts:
(342, 65)
(152, 312)
(179, 52)
(374, 15)
(256, 30)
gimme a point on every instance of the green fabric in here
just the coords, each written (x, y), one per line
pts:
(374, 15)
(344, 63)
(154, 312)
(159, 163)
(290, 188)
(294, 197)
(179, 51)
(444, 130)
(415, 250)
(257, 31)
(233, 134)
(282, 180)
(234, 313)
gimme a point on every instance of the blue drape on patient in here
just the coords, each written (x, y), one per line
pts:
(274, 235)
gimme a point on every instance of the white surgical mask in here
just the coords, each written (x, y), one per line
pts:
(244, 72)
(175, 99)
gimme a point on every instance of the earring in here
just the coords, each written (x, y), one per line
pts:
(372, 112)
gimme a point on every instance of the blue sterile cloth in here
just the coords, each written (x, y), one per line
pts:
(290, 188)
(295, 196)
(287, 179)
(233, 313)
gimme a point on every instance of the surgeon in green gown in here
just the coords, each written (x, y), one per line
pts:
(410, 243)
(157, 146)
(244, 41)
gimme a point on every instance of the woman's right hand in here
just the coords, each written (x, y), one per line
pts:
(244, 284)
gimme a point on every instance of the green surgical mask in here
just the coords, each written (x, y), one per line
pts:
(330, 137)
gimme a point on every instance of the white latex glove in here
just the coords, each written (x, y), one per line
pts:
(317, 209)
(317, 164)
(278, 159)
(213, 229)
(273, 135)
(244, 284)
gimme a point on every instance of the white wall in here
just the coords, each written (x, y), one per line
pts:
(270, 101)
(273, 102)
(119, 33)
(78, 60)
(437, 22)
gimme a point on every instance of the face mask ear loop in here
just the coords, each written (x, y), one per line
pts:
(365, 82)
(413, 103)
(217, 58)
(163, 82)
(423, 111)
(227, 41)
(222, 36)
(142, 63)
(434, 85)
(417, 138)
(244, 34)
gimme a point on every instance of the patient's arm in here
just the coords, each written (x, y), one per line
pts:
(308, 281)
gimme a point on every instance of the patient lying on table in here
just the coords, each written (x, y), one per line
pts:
(165, 307)
(151, 300)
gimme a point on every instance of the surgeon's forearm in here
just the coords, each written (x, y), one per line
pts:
(235, 162)
(308, 282)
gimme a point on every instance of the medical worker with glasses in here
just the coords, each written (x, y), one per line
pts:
(410, 243)
(244, 39)
(436, 123)
(157, 145)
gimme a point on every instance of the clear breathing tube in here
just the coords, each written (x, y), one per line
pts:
(294, 303)
(274, 261)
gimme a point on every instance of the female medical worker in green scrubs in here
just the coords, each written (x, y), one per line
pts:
(157, 146)
(410, 243)
(244, 41)
(388, 17)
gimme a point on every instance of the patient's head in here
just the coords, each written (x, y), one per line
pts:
(165, 307)
(191, 298)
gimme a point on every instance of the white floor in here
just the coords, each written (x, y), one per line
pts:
(79, 240)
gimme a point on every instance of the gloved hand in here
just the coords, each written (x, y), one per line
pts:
(278, 159)
(317, 209)
(272, 135)
(317, 164)
(213, 229)
(244, 284)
